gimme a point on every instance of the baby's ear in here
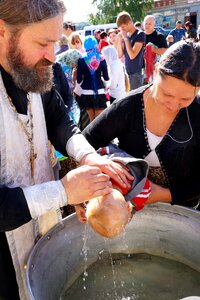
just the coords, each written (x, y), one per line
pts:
(129, 206)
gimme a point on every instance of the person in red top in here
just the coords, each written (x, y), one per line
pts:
(103, 40)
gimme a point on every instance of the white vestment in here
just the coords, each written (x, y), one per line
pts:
(15, 171)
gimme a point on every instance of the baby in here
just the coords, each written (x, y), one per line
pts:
(108, 215)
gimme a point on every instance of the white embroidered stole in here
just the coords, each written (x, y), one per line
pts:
(15, 171)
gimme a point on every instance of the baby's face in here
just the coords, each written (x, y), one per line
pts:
(108, 215)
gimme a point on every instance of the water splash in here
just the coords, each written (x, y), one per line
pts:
(84, 253)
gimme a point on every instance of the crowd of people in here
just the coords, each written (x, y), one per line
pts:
(136, 49)
(156, 124)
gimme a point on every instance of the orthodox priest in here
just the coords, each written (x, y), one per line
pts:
(32, 118)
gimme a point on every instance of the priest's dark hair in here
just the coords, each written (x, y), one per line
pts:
(22, 12)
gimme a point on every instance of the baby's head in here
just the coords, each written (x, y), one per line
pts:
(109, 214)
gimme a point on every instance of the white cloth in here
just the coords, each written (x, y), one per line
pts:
(45, 197)
(152, 157)
(116, 72)
(15, 171)
(77, 147)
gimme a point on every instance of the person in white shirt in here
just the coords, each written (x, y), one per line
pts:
(116, 73)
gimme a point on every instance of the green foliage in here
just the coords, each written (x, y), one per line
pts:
(107, 10)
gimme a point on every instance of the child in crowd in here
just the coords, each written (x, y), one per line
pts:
(109, 214)
(92, 75)
(117, 87)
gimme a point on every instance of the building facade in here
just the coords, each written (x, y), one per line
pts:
(167, 12)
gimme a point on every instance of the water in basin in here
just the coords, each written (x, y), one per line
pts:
(137, 276)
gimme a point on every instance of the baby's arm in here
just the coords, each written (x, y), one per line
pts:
(80, 211)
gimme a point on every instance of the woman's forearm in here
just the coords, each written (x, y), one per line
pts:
(159, 194)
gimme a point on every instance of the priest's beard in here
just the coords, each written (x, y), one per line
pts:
(37, 78)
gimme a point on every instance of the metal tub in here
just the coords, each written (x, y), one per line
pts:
(168, 231)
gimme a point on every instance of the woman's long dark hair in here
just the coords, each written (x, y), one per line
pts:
(182, 61)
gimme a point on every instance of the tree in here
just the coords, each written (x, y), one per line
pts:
(107, 10)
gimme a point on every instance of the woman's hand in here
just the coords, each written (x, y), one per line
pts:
(118, 172)
(159, 194)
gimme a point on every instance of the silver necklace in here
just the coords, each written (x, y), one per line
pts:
(167, 134)
(191, 130)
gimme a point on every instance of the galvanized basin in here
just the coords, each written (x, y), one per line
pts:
(168, 231)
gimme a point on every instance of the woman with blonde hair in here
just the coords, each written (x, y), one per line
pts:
(76, 42)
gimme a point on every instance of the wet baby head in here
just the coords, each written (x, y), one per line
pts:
(109, 214)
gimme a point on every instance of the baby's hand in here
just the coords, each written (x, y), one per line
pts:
(80, 211)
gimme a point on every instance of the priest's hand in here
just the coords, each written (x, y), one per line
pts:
(84, 183)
